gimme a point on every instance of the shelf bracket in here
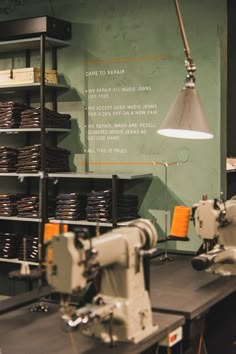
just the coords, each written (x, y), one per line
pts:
(21, 179)
(55, 181)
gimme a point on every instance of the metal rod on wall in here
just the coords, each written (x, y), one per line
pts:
(153, 163)
(166, 258)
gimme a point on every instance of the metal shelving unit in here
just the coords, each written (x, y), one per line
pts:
(91, 175)
(31, 44)
(39, 44)
(12, 88)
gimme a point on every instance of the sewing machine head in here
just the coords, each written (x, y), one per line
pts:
(66, 273)
(215, 223)
(122, 302)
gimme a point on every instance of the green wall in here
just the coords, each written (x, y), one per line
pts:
(127, 56)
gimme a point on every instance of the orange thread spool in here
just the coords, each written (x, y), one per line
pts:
(49, 231)
(180, 222)
(53, 229)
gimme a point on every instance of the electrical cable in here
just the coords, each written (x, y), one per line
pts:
(157, 348)
(52, 8)
(200, 344)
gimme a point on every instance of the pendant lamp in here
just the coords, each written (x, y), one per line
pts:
(186, 117)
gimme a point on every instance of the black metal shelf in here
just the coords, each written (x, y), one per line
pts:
(13, 88)
(33, 130)
(31, 44)
(19, 175)
(79, 175)
(17, 218)
(88, 223)
(125, 176)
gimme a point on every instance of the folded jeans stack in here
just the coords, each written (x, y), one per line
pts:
(99, 206)
(29, 159)
(10, 114)
(127, 207)
(31, 118)
(8, 204)
(9, 245)
(70, 206)
(28, 249)
(8, 159)
(28, 206)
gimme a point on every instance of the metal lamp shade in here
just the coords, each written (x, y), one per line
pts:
(186, 118)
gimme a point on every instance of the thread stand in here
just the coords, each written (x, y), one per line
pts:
(166, 258)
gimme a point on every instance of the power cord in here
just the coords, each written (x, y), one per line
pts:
(157, 348)
(200, 344)
(52, 8)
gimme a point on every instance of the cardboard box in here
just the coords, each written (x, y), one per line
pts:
(26, 76)
(5, 77)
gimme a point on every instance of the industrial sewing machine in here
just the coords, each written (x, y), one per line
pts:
(215, 223)
(121, 310)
